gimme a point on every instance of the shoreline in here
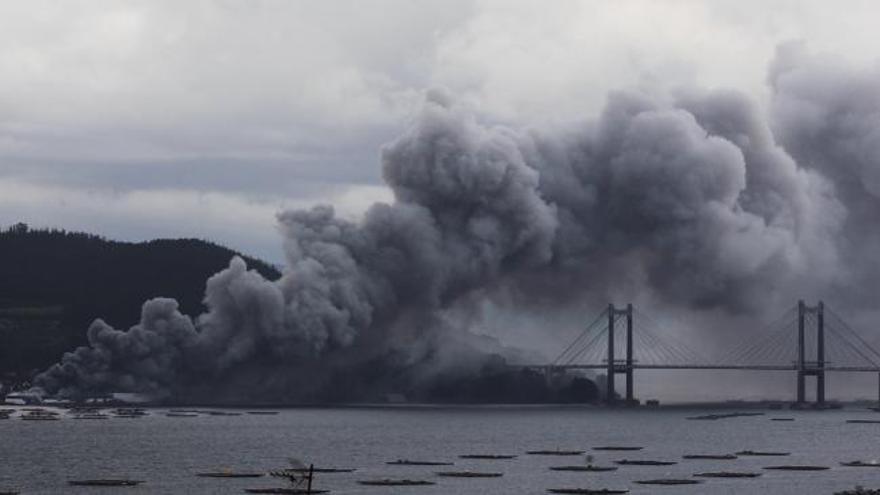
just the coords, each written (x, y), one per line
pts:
(711, 405)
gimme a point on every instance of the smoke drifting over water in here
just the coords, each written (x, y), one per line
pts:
(701, 197)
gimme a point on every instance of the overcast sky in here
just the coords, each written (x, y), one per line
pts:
(137, 120)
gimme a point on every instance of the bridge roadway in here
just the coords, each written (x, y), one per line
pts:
(621, 366)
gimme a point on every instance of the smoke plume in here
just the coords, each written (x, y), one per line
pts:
(702, 197)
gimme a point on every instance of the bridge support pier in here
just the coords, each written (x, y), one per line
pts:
(801, 376)
(801, 386)
(811, 368)
(820, 353)
(613, 366)
(630, 398)
(609, 359)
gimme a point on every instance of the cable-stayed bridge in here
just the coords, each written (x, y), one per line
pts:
(807, 340)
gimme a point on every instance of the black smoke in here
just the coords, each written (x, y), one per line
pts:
(700, 199)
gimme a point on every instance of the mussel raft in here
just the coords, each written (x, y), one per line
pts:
(586, 491)
(468, 474)
(407, 462)
(618, 448)
(395, 482)
(555, 452)
(588, 468)
(490, 457)
(798, 468)
(285, 491)
(669, 481)
(629, 462)
(762, 453)
(104, 482)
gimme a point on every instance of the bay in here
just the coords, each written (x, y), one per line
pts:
(39, 457)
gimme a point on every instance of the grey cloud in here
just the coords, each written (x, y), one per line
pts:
(301, 178)
(273, 98)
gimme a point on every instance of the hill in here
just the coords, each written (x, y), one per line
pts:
(54, 283)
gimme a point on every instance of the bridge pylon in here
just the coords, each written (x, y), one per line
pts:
(615, 366)
(807, 367)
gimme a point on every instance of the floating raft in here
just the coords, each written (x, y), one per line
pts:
(712, 417)
(130, 410)
(586, 491)
(393, 482)
(263, 413)
(618, 447)
(668, 481)
(37, 415)
(8, 492)
(228, 474)
(710, 457)
(491, 457)
(762, 453)
(781, 419)
(181, 415)
(104, 482)
(861, 464)
(798, 468)
(407, 462)
(555, 452)
(293, 491)
(318, 470)
(858, 491)
(728, 474)
(630, 462)
(588, 468)
(468, 474)
(863, 421)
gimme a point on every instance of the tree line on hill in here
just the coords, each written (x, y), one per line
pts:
(54, 283)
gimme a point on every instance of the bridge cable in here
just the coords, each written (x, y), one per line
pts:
(776, 329)
(843, 334)
(589, 345)
(749, 347)
(848, 329)
(766, 351)
(652, 355)
(679, 348)
(581, 336)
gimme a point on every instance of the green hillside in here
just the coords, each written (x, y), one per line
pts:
(54, 283)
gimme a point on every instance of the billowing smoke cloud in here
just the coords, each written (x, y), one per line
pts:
(696, 196)
(828, 115)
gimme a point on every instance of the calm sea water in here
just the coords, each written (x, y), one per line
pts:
(167, 452)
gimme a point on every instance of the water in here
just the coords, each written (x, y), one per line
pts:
(166, 452)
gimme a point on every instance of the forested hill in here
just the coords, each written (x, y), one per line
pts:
(54, 283)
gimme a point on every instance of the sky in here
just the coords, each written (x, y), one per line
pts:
(144, 119)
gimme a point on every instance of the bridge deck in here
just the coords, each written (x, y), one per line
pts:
(855, 369)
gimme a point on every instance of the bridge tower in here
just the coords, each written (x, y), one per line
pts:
(616, 366)
(805, 367)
